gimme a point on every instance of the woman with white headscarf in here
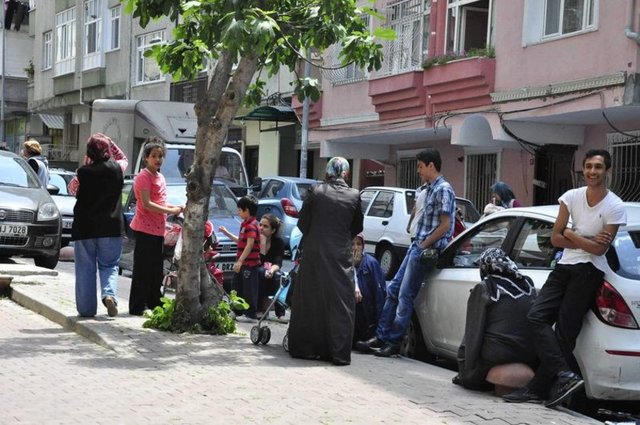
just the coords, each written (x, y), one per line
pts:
(323, 303)
(497, 331)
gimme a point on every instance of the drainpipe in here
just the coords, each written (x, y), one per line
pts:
(628, 31)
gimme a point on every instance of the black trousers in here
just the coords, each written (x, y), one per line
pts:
(565, 298)
(246, 285)
(146, 281)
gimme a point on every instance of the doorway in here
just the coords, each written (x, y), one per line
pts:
(553, 173)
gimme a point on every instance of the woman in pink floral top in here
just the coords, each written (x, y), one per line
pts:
(148, 224)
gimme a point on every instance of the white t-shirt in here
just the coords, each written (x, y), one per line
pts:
(422, 194)
(589, 221)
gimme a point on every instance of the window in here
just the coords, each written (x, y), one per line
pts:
(408, 172)
(551, 19)
(567, 16)
(468, 25)
(92, 34)
(490, 234)
(625, 162)
(350, 73)
(481, 173)
(382, 206)
(148, 69)
(273, 189)
(410, 20)
(65, 41)
(365, 199)
(533, 247)
(114, 28)
(47, 50)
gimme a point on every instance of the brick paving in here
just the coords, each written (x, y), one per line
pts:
(58, 369)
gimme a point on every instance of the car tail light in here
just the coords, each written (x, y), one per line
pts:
(288, 207)
(612, 309)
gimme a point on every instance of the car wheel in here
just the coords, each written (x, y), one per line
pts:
(46, 261)
(388, 261)
(413, 344)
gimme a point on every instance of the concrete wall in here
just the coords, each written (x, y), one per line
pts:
(604, 51)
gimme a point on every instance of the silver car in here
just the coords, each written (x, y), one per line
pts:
(608, 348)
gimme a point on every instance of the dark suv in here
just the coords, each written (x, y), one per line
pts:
(30, 223)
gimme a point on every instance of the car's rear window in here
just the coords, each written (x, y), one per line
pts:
(410, 200)
(627, 251)
(303, 189)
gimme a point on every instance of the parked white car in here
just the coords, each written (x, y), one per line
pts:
(386, 214)
(608, 348)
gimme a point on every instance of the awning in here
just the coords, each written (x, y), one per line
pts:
(52, 121)
(271, 113)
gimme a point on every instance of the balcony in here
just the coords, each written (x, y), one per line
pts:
(459, 84)
(398, 96)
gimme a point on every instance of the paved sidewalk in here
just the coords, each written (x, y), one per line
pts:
(50, 375)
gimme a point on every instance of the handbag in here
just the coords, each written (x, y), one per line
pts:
(429, 257)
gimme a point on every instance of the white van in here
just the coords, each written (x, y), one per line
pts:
(130, 122)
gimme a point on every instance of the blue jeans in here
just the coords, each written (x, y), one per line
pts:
(100, 255)
(401, 291)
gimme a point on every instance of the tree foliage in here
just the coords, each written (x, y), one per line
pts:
(239, 39)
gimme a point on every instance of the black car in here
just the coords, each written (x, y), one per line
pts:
(30, 223)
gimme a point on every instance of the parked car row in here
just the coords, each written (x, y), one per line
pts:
(30, 223)
(386, 215)
(222, 212)
(608, 347)
(282, 197)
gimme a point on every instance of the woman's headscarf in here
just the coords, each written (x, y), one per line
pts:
(502, 275)
(337, 168)
(504, 192)
(99, 147)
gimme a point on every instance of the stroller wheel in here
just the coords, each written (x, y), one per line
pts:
(285, 342)
(266, 335)
(256, 334)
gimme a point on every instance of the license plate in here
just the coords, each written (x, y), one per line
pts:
(13, 230)
(67, 224)
(226, 267)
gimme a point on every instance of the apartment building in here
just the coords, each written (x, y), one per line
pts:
(16, 70)
(91, 49)
(512, 90)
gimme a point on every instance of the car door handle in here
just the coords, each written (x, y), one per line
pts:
(385, 222)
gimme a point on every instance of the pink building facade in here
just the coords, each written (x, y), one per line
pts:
(511, 90)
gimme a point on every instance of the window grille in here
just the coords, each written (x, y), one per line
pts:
(410, 21)
(482, 172)
(408, 173)
(351, 73)
(625, 156)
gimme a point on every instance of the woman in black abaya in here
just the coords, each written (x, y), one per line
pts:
(323, 304)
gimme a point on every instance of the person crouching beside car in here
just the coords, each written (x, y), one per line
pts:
(497, 331)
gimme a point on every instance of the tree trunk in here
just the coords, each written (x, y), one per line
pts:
(196, 292)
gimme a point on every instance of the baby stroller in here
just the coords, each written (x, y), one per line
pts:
(281, 300)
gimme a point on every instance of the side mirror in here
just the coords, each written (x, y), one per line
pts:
(53, 189)
(257, 184)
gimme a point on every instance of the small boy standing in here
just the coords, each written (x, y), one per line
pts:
(246, 279)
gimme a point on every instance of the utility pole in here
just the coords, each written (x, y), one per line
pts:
(305, 122)
(4, 46)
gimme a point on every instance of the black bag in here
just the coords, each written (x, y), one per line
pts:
(429, 257)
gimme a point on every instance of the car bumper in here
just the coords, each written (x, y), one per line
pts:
(41, 240)
(607, 375)
(67, 223)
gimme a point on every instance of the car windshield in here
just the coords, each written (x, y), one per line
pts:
(15, 173)
(222, 203)
(177, 162)
(60, 181)
(627, 250)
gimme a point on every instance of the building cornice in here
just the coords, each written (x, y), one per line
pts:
(556, 89)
